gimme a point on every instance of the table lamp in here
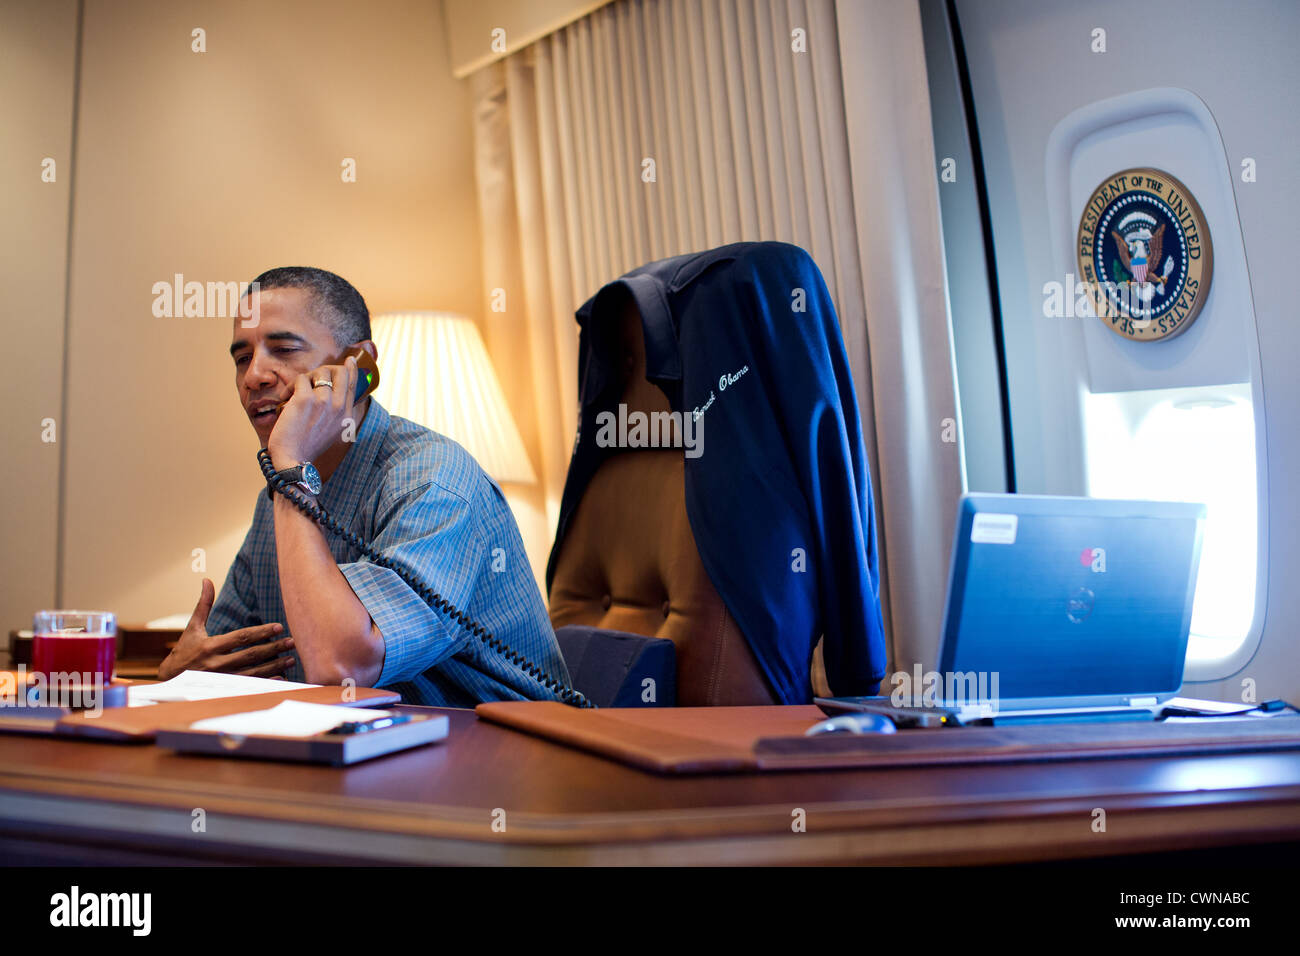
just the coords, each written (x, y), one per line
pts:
(435, 371)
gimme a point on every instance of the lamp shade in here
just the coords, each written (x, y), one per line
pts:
(435, 371)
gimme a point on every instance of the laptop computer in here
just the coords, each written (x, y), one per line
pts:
(1057, 608)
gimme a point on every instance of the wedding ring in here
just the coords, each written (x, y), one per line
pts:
(324, 381)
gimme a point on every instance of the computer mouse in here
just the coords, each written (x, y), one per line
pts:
(853, 724)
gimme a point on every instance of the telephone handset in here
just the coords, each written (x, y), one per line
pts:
(367, 371)
(367, 381)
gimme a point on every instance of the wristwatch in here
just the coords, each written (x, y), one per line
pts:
(305, 476)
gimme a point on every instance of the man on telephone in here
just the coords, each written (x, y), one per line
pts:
(307, 605)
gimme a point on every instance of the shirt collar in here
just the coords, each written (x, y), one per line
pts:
(662, 360)
(650, 286)
(343, 489)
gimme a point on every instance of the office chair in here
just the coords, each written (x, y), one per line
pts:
(629, 562)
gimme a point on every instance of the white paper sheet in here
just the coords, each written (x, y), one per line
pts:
(172, 622)
(207, 685)
(290, 718)
(1208, 706)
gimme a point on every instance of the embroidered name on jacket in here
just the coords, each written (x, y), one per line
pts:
(726, 380)
(731, 378)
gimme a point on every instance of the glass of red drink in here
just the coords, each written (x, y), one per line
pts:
(81, 644)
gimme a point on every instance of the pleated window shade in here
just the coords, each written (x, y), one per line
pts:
(435, 371)
(802, 121)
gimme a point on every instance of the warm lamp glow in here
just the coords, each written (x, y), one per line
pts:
(434, 370)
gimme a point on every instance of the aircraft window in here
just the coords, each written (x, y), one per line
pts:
(1189, 444)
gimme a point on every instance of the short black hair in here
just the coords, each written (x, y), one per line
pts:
(334, 300)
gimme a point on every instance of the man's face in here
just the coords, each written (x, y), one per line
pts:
(287, 341)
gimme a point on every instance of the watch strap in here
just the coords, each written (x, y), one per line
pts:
(292, 476)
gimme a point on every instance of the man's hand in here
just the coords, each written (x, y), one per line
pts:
(311, 422)
(199, 650)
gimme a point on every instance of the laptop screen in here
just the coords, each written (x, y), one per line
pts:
(1072, 597)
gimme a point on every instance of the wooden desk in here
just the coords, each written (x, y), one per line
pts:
(68, 801)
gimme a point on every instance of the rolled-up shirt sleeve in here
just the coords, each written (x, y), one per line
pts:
(430, 532)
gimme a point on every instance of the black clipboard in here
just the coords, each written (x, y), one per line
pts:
(339, 750)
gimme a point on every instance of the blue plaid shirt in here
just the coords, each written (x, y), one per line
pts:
(420, 499)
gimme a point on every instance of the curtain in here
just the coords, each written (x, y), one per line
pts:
(652, 128)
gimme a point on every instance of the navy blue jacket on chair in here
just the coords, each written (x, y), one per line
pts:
(744, 341)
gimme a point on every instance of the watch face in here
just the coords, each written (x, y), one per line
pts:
(311, 477)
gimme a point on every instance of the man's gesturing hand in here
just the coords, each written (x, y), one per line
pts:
(199, 650)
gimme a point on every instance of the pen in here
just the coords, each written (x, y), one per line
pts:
(362, 726)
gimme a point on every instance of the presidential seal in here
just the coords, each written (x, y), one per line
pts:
(1144, 255)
